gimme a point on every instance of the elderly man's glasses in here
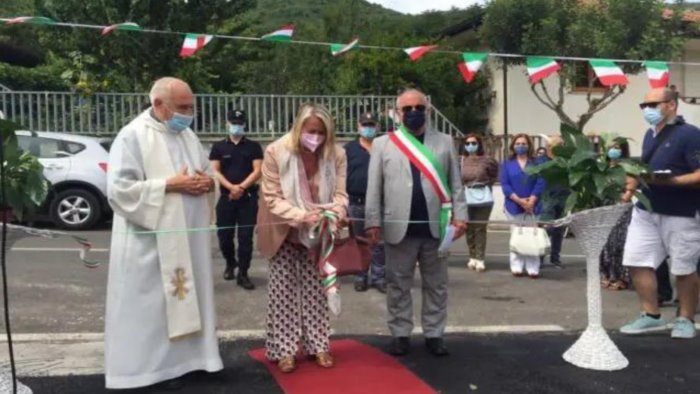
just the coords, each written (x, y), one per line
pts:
(652, 104)
(409, 108)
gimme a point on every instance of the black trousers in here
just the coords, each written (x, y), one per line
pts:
(237, 216)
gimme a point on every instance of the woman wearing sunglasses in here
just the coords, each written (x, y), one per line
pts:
(479, 173)
(522, 193)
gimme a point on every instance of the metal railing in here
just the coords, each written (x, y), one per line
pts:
(268, 115)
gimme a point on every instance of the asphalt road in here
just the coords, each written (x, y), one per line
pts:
(51, 292)
(57, 308)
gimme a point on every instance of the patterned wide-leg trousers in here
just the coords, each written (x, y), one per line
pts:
(297, 309)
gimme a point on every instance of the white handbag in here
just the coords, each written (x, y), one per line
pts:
(526, 239)
(478, 195)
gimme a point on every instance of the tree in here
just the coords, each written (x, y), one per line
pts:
(127, 61)
(629, 29)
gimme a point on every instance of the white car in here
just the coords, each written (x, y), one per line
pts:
(76, 166)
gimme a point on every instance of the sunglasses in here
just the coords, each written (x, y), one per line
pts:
(652, 104)
(409, 108)
(368, 124)
(471, 143)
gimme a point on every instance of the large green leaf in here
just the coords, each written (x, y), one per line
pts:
(632, 167)
(571, 203)
(601, 183)
(25, 185)
(580, 156)
(576, 176)
(564, 151)
(643, 200)
(537, 169)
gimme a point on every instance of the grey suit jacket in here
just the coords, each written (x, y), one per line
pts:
(390, 185)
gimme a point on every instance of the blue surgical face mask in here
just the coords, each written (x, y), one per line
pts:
(614, 153)
(653, 116)
(520, 149)
(368, 132)
(414, 120)
(471, 148)
(179, 122)
(236, 129)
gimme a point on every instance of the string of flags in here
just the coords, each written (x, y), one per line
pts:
(539, 68)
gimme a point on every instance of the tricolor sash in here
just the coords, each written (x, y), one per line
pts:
(430, 168)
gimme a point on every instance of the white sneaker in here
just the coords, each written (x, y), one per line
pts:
(471, 264)
(479, 266)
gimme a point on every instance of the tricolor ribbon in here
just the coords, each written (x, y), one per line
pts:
(86, 245)
(324, 230)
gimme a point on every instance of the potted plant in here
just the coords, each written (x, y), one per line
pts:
(24, 182)
(594, 191)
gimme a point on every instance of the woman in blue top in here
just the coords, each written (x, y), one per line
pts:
(522, 195)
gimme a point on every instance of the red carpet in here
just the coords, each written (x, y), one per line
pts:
(359, 369)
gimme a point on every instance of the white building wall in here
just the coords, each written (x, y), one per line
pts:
(623, 117)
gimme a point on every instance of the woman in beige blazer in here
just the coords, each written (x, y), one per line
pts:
(303, 173)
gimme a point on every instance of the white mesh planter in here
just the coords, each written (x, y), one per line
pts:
(6, 382)
(594, 349)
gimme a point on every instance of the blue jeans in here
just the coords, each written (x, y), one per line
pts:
(556, 234)
(375, 273)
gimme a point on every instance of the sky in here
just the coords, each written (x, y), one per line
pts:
(418, 6)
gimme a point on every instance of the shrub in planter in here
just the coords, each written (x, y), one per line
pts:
(25, 185)
(586, 173)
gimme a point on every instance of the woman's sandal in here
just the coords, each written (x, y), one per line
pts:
(617, 285)
(287, 364)
(604, 283)
(324, 360)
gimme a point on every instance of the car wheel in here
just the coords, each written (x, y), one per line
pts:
(75, 209)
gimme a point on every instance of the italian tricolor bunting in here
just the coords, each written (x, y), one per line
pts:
(129, 26)
(339, 49)
(539, 68)
(430, 168)
(193, 43)
(283, 34)
(608, 72)
(471, 65)
(658, 74)
(415, 53)
(37, 20)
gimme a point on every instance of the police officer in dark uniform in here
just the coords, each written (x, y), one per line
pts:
(237, 163)
(358, 152)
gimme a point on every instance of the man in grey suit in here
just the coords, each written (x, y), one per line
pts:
(404, 207)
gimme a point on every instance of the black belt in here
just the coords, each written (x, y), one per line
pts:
(356, 199)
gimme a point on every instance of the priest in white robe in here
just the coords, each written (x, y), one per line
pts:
(160, 320)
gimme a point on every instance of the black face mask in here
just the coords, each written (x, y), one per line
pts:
(414, 120)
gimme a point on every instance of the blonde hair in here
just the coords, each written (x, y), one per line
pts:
(554, 141)
(307, 111)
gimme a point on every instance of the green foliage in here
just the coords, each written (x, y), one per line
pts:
(587, 175)
(83, 61)
(25, 185)
(629, 29)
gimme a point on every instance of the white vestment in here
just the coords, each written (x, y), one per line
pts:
(139, 350)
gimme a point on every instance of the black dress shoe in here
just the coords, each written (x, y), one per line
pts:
(381, 287)
(171, 385)
(245, 282)
(229, 272)
(400, 346)
(360, 285)
(436, 347)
